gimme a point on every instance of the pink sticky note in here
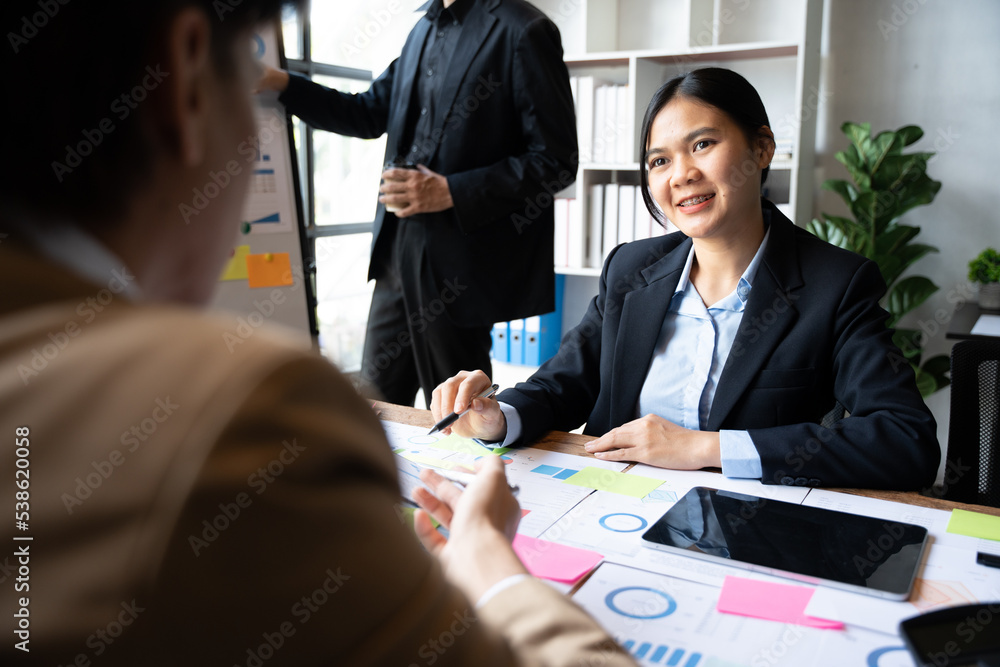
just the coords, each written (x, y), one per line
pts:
(557, 562)
(773, 602)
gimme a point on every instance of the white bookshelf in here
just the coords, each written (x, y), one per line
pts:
(643, 43)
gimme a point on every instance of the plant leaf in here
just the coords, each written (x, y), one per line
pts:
(939, 367)
(926, 383)
(855, 236)
(908, 342)
(895, 263)
(845, 189)
(856, 132)
(908, 134)
(906, 295)
(856, 167)
(894, 238)
(880, 148)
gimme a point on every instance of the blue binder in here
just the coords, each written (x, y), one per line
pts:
(543, 332)
(517, 341)
(501, 342)
(550, 326)
(532, 336)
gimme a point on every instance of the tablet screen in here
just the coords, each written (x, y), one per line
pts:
(859, 553)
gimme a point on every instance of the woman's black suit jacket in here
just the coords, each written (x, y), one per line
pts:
(813, 338)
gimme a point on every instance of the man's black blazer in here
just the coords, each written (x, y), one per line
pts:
(506, 145)
(813, 335)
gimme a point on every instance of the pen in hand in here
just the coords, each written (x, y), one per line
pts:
(465, 478)
(453, 417)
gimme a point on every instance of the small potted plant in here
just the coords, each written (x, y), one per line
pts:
(985, 270)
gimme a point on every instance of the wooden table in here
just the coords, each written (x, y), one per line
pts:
(570, 443)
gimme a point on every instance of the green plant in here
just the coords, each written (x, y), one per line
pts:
(985, 268)
(886, 183)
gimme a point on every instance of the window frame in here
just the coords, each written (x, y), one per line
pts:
(310, 68)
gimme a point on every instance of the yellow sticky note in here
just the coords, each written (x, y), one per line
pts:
(270, 269)
(615, 482)
(974, 524)
(236, 267)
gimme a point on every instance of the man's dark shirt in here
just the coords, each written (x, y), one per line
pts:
(425, 111)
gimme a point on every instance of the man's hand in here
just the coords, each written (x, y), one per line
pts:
(484, 421)
(658, 442)
(415, 191)
(272, 79)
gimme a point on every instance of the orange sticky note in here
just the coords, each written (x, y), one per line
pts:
(270, 270)
(774, 602)
(236, 267)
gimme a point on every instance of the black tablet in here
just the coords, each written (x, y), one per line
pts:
(818, 546)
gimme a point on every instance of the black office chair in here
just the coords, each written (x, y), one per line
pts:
(972, 474)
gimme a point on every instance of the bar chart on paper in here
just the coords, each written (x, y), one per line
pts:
(663, 620)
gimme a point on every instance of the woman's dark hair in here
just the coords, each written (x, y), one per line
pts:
(723, 89)
(79, 72)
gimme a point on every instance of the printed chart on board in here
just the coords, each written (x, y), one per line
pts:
(544, 495)
(612, 524)
(662, 620)
(266, 209)
(269, 205)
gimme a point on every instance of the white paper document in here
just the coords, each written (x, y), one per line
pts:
(935, 521)
(948, 577)
(662, 620)
(987, 325)
(540, 475)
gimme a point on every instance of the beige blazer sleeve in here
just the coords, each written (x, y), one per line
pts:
(290, 544)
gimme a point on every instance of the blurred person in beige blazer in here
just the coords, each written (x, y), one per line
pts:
(188, 505)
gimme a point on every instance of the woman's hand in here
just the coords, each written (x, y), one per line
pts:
(658, 442)
(484, 421)
(481, 521)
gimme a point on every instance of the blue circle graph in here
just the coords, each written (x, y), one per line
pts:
(258, 46)
(642, 522)
(610, 601)
(874, 656)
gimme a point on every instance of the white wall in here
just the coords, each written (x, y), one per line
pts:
(931, 63)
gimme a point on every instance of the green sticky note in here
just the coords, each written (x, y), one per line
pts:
(615, 482)
(501, 450)
(974, 524)
(456, 443)
(405, 514)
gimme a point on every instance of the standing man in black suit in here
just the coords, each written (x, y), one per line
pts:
(480, 101)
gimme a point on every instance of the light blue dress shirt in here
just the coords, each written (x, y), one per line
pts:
(691, 351)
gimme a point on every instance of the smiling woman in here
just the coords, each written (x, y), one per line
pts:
(737, 342)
